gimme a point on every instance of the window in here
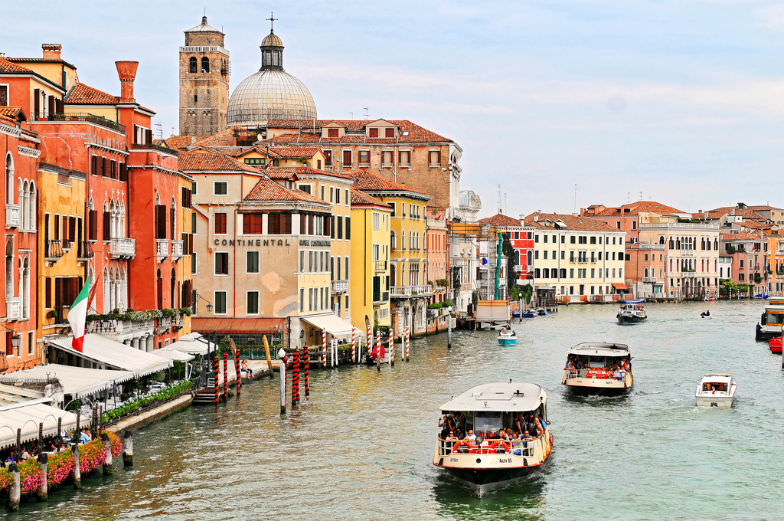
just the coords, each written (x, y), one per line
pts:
(205, 64)
(308, 189)
(220, 223)
(374, 132)
(220, 302)
(222, 263)
(193, 263)
(221, 188)
(347, 158)
(327, 158)
(339, 227)
(193, 63)
(3, 95)
(279, 224)
(251, 223)
(332, 132)
(434, 158)
(252, 262)
(253, 303)
(404, 158)
(386, 158)
(364, 157)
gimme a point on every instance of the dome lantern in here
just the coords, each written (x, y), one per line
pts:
(271, 49)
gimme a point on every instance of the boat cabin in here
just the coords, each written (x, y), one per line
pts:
(599, 357)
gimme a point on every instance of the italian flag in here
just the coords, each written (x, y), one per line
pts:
(77, 315)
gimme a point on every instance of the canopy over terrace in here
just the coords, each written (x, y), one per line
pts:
(192, 344)
(28, 416)
(335, 326)
(75, 381)
(100, 352)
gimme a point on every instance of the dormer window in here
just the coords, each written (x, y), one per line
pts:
(374, 132)
(332, 132)
(389, 132)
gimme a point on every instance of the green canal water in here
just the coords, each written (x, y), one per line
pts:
(362, 447)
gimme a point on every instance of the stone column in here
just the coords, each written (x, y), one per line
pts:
(15, 492)
(77, 472)
(43, 463)
(128, 449)
(107, 464)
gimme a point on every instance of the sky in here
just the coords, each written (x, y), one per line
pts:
(562, 104)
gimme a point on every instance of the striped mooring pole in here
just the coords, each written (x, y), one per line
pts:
(226, 375)
(369, 343)
(353, 346)
(295, 379)
(378, 350)
(391, 348)
(237, 367)
(408, 343)
(216, 384)
(307, 372)
(324, 347)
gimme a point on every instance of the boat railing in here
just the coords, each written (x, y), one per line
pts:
(594, 373)
(525, 447)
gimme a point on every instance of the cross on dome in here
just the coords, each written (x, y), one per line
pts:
(272, 21)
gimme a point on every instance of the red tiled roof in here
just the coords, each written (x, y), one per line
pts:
(237, 325)
(741, 236)
(359, 198)
(268, 190)
(718, 213)
(179, 142)
(227, 137)
(292, 152)
(84, 94)
(755, 225)
(500, 219)
(637, 207)
(12, 113)
(370, 182)
(211, 161)
(546, 221)
(7, 66)
(416, 133)
(763, 207)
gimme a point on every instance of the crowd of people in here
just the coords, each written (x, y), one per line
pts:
(611, 368)
(51, 445)
(460, 437)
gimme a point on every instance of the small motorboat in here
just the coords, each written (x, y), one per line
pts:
(716, 390)
(541, 312)
(775, 344)
(706, 314)
(507, 337)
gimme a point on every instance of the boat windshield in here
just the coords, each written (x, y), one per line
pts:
(714, 386)
(605, 363)
(773, 318)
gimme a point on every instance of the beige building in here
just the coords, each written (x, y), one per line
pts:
(580, 258)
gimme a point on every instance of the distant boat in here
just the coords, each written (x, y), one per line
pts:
(631, 312)
(598, 367)
(528, 313)
(775, 344)
(541, 312)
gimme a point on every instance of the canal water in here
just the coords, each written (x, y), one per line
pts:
(362, 447)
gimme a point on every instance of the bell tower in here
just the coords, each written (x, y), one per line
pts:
(204, 81)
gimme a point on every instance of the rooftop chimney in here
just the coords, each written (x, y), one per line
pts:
(127, 72)
(52, 51)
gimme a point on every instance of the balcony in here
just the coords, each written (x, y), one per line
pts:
(380, 297)
(123, 248)
(177, 249)
(121, 328)
(13, 308)
(649, 279)
(11, 215)
(84, 251)
(411, 291)
(53, 250)
(339, 286)
(161, 249)
(381, 265)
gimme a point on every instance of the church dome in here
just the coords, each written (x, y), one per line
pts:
(270, 93)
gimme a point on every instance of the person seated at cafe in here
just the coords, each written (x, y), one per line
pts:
(25, 454)
(245, 368)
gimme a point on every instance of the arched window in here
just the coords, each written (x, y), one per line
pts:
(529, 258)
(661, 239)
(9, 269)
(33, 203)
(173, 288)
(24, 274)
(193, 64)
(672, 244)
(393, 239)
(205, 64)
(9, 178)
(173, 219)
(159, 288)
(106, 289)
(24, 201)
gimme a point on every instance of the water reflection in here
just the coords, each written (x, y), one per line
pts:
(521, 500)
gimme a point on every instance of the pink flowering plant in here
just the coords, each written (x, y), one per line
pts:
(5, 479)
(116, 443)
(30, 476)
(61, 466)
(92, 455)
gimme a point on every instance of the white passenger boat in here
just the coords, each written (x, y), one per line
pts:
(487, 461)
(598, 367)
(507, 337)
(631, 312)
(716, 390)
(771, 320)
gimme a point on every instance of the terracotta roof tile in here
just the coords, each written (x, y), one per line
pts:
(718, 213)
(292, 152)
(546, 221)
(741, 236)
(268, 190)
(12, 113)
(179, 142)
(301, 171)
(637, 207)
(84, 94)
(500, 219)
(7, 66)
(211, 161)
(370, 182)
(359, 198)
(754, 225)
(416, 133)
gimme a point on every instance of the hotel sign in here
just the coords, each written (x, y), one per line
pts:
(252, 242)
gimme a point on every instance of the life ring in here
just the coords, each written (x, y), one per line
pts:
(507, 446)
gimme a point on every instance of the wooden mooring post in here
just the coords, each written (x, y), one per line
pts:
(128, 449)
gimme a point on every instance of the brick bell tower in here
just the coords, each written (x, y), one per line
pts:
(204, 81)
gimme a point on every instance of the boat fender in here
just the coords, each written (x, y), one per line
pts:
(525, 462)
(551, 439)
(507, 446)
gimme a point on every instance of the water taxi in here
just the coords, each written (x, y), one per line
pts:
(470, 446)
(599, 367)
(507, 337)
(631, 312)
(771, 320)
(716, 390)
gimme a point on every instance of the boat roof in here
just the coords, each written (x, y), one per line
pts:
(600, 349)
(498, 397)
(638, 301)
(775, 306)
(717, 377)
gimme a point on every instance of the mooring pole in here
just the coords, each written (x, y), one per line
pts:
(295, 379)
(307, 372)
(449, 332)
(128, 449)
(282, 357)
(267, 352)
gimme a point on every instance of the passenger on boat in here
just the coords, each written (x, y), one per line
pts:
(618, 374)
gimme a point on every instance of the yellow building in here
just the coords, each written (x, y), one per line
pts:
(408, 286)
(63, 253)
(369, 275)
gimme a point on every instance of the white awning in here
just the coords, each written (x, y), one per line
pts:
(333, 324)
(76, 381)
(192, 343)
(173, 354)
(27, 416)
(110, 354)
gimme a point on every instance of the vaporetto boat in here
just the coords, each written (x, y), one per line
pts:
(481, 459)
(599, 367)
(632, 312)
